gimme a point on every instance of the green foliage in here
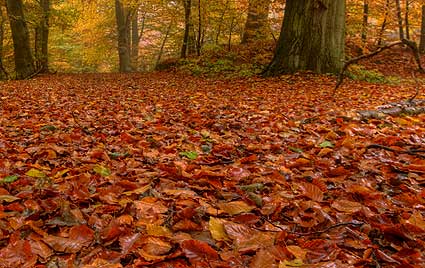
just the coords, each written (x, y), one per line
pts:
(189, 154)
(358, 72)
(240, 61)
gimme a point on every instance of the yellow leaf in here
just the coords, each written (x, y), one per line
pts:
(35, 173)
(8, 198)
(139, 191)
(217, 230)
(102, 171)
(298, 252)
(236, 207)
(157, 230)
(417, 220)
(293, 263)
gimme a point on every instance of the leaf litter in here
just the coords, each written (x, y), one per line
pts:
(188, 172)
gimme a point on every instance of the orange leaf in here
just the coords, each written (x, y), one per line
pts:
(312, 191)
(198, 250)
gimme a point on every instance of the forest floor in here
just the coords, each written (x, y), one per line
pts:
(169, 170)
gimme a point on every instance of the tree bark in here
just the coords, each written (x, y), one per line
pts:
(187, 10)
(399, 19)
(42, 38)
(135, 39)
(406, 20)
(3, 74)
(123, 37)
(312, 38)
(161, 50)
(199, 37)
(365, 21)
(256, 26)
(384, 23)
(422, 41)
(24, 63)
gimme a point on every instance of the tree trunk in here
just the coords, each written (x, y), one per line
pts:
(3, 74)
(406, 20)
(312, 38)
(399, 19)
(161, 50)
(42, 38)
(422, 42)
(187, 8)
(384, 23)
(365, 21)
(220, 23)
(24, 64)
(123, 34)
(199, 37)
(135, 40)
(256, 26)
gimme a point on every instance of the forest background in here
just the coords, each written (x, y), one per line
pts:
(84, 35)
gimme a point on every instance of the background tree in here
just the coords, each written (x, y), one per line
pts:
(365, 21)
(312, 37)
(257, 25)
(121, 14)
(42, 37)
(3, 73)
(187, 4)
(399, 19)
(24, 64)
(422, 40)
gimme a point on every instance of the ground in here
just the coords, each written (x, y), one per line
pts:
(170, 170)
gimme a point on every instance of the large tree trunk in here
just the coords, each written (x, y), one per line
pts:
(256, 26)
(123, 36)
(42, 38)
(187, 27)
(135, 40)
(399, 19)
(422, 42)
(3, 73)
(312, 38)
(24, 64)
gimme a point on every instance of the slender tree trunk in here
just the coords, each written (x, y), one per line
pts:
(3, 73)
(123, 34)
(187, 8)
(399, 19)
(161, 50)
(198, 40)
(229, 41)
(365, 21)
(384, 23)
(220, 23)
(135, 40)
(312, 38)
(422, 42)
(41, 40)
(24, 63)
(256, 26)
(44, 60)
(406, 20)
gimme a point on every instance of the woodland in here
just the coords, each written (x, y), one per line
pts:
(213, 134)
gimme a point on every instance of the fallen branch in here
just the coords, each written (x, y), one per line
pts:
(353, 223)
(330, 228)
(411, 44)
(415, 152)
(34, 74)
